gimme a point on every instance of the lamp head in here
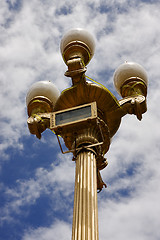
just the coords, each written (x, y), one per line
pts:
(77, 43)
(41, 97)
(130, 79)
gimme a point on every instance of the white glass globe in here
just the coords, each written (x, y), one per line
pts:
(45, 89)
(78, 34)
(128, 70)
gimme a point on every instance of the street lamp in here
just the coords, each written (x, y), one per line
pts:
(86, 116)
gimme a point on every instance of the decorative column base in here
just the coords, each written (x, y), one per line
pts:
(85, 215)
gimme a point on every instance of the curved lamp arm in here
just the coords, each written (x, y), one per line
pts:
(133, 105)
(38, 123)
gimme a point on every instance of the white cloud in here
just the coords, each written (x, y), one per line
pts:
(134, 218)
(53, 182)
(59, 230)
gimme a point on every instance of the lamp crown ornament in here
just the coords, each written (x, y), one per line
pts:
(86, 116)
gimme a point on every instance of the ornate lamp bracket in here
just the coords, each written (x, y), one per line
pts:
(134, 105)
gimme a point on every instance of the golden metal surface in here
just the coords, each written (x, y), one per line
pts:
(38, 123)
(134, 105)
(83, 93)
(77, 49)
(89, 138)
(93, 116)
(85, 213)
(75, 67)
(39, 104)
(109, 111)
(134, 86)
(90, 131)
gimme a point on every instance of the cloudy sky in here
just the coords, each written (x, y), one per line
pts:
(36, 180)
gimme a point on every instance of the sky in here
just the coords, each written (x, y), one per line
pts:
(36, 180)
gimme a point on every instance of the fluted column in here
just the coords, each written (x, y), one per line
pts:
(85, 215)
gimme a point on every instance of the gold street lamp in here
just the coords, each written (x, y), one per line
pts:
(86, 116)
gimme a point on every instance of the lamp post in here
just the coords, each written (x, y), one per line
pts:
(86, 116)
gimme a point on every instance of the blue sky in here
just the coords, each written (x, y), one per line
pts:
(36, 180)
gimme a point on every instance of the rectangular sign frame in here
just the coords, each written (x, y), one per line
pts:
(64, 119)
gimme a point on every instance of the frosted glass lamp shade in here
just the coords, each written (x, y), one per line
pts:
(127, 73)
(41, 97)
(77, 42)
(44, 89)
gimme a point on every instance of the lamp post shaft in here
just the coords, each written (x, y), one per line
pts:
(85, 213)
